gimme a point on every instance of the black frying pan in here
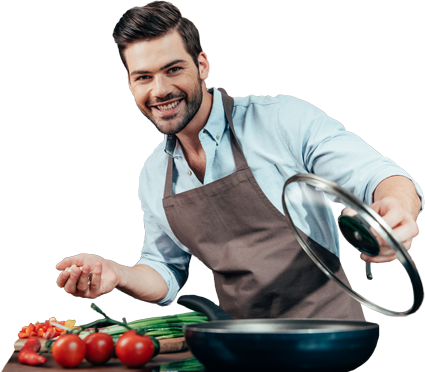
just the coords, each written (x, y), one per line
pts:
(310, 345)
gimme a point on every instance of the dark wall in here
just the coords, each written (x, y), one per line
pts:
(28, 290)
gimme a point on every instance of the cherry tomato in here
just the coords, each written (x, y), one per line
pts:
(69, 350)
(134, 350)
(99, 347)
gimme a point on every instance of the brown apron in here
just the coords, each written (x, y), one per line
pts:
(260, 270)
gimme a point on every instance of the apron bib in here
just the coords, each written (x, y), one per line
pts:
(260, 270)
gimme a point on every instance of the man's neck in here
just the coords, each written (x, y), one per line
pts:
(189, 140)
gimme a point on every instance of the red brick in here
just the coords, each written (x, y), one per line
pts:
(404, 147)
(229, 7)
(231, 19)
(402, 85)
(369, 135)
(418, 178)
(385, 150)
(403, 339)
(314, 98)
(367, 88)
(245, 85)
(376, 272)
(355, 106)
(231, 46)
(392, 115)
(315, 85)
(394, 274)
(215, 78)
(192, 288)
(400, 306)
(294, 87)
(239, 30)
(216, 36)
(196, 275)
(394, 131)
(393, 99)
(351, 272)
(254, 93)
(382, 290)
(229, 60)
(192, 5)
(210, 25)
(401, 163)
(353, 122)
(402, 323)
(212, 50)
(234, 73)
(384, 337)
(193, 17)
(336, 96)
(205, 14)
(274, 91)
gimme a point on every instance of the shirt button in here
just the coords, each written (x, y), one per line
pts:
(189, 173)
(218, 137)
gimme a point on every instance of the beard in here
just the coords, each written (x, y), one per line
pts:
(175, 123)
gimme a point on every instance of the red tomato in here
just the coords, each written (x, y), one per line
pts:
(134, 350)
(99, 348)
(69, 350)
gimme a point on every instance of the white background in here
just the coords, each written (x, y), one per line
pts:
(40, 122)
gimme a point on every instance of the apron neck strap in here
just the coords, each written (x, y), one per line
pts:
(238, 155)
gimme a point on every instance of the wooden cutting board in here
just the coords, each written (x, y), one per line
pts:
(168, 345)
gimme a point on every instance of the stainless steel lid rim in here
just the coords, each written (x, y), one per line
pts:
(376, 222)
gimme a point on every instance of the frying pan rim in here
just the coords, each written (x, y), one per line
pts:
(361, 326)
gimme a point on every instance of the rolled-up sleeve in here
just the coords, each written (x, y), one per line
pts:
(163, 255)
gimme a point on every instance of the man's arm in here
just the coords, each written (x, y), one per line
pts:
(140, 281)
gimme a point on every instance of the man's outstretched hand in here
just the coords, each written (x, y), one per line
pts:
(104, 276)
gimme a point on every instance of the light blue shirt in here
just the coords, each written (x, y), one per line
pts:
(280, 137)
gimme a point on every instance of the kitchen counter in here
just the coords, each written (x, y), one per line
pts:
(395, 357)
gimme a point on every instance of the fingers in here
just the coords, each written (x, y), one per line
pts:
(95, 284)
(83, 282)
(348, 212)
(63, 277)
(69, 261)
(71, 284)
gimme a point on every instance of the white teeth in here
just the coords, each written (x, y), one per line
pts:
(169, 106)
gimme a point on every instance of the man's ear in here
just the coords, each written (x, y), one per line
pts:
(204, 66)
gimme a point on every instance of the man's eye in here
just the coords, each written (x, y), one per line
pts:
(174, 69)
(143, 77)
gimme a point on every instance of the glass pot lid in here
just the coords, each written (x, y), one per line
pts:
(315, 208)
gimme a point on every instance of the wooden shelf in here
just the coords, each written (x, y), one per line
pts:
(136, 144)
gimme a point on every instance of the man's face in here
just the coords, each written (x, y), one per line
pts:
(165, 82)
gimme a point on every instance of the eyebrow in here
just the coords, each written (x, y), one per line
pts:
(138, 72)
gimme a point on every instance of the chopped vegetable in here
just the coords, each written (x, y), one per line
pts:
(28, 353)
(46, 329)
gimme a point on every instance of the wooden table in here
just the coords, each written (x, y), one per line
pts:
(114, 365)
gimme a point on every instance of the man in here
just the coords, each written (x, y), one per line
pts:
(216, 189)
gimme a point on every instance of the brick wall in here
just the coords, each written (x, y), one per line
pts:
(378, 112)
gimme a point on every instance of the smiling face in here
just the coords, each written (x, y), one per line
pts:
(165, 82)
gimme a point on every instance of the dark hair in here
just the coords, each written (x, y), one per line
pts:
(153, 21)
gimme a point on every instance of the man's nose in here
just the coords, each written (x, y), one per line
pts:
(160, 86)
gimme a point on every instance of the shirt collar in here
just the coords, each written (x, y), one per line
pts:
(215, 126)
